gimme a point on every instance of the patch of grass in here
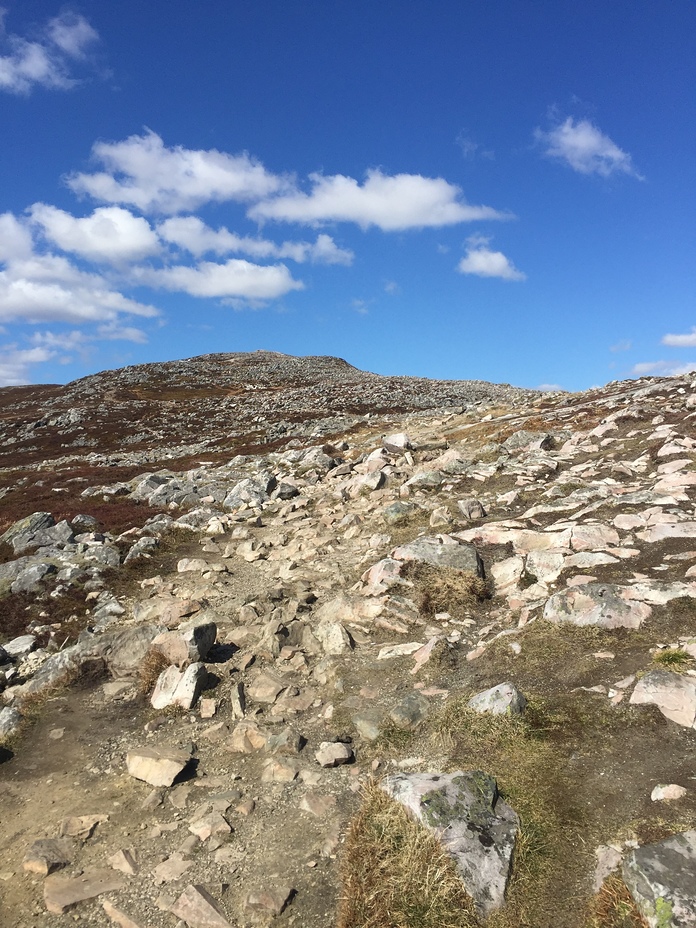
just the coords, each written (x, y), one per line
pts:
(395, 874)
(613, 907)
(150, 668)
(520, 752)
(673, 659)
(445, 589)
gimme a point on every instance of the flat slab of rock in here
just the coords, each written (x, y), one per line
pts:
(198, 909)
(46, 855)
(62, 893)
(673, 693)
(605, 605)
(270, 901)
(662, 879)
(476, 827)
(158, 767)
(118, 916)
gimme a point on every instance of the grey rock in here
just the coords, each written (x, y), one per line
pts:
(143, 548)
(26, 528)
(20, 647)
(476, 827)
(662, 879)
(410, 712)
(503, 699)
(598, 604)
(399, 512)
(84, 523)
(369, 724)
(10, 719)
(29, 581)
(46, 855)
(471, 508)
(524, 440)
(179, 688)
(432, 551)
(397, 443)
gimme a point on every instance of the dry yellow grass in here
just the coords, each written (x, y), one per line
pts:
(150, 668)
(394, 874)
(613, 907)
(445, 589)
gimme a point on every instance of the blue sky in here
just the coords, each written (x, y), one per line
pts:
(501, 190)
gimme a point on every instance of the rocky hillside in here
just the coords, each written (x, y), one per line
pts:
(285, 642)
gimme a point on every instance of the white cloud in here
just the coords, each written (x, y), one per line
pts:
(122, 333)
(392, 203)
(586, 149)
(15, 238)
(110, 234)
(47, 288)
(72, 34)
(63, 341)
(236, 279)
(361, 307)
(483, 262)
(391, 287)
(680, 341)
(663, 368)
(195, 236)
(624, 345)
(15, 363)
(549, 387)
(142, 172)
(44, 62)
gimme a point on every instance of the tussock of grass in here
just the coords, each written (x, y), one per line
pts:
(150, 668)
(445, 589)
(673, 659)
(396, 875)
(613, 907)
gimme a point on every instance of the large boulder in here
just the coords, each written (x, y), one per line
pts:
(662, 879)
(474, 825)
(441, 551)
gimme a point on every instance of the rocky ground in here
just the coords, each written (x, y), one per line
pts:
(237, 589)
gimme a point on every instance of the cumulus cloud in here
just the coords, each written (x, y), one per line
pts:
(15, 238)
(110, 233)
(390, 202)
(16, 363)
(663, 368)
(549, 387)
(195, 236)
(687, 340)
(45, 61)
(236, 279)
(48, 288)
(482, 262)
(586, 149)
(142, 172)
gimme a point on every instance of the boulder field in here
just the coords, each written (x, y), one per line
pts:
(483, 599)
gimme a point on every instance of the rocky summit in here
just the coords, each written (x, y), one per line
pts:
(284, 642)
